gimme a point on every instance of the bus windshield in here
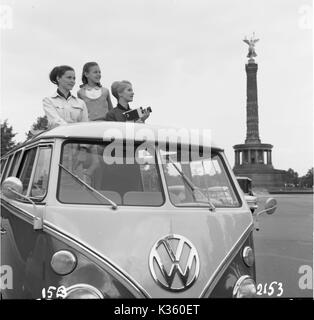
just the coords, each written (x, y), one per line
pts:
(208, 174)
(126, 178)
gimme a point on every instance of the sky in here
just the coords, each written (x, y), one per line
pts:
(185, 58)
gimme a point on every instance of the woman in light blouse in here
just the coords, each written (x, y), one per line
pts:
(62, 107)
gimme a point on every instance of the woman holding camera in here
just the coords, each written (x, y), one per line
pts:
(123, 92)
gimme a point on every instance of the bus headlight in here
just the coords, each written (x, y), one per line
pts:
(63, 262)
(245, 287)
(83, 291)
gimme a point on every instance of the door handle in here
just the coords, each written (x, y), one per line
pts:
(3, 231)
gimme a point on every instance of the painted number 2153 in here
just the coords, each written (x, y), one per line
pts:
(272, 289)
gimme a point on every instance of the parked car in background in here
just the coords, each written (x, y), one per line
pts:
(246, 186)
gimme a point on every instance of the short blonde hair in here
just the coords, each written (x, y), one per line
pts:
(119, 86)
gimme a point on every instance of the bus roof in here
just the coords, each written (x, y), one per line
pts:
(106, 130)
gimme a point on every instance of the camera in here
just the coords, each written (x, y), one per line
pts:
(136, 114)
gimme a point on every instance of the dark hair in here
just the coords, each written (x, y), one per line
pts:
(86, 68)
(58, 72)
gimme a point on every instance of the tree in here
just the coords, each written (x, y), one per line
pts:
(307, 180)
(7, 136)
(40, 124)
(292, 177)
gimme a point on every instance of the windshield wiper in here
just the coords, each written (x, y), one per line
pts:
(114, 205)
(192, 186)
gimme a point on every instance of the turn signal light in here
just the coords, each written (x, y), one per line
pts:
(248, 256)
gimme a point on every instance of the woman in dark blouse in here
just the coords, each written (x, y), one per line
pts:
(123, 92)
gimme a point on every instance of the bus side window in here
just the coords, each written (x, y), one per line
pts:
(6, 169)
(40, 181)
(15, 163)
(26, 168)
(3, 162)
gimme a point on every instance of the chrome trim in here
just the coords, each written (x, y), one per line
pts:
(98, 258)
(25, 215)
(245, 253)
(238, 284)
(224, 264)
(168, 277)
(87, 287)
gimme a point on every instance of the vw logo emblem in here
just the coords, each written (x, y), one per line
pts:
(174, 263)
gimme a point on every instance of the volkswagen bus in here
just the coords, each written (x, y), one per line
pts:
(123, 210)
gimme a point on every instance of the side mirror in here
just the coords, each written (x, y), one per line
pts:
(12, 187)
(270, 205)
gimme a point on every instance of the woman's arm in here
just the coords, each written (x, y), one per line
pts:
(110, 116)
(84, 113)
(110, 107)
(54, 119)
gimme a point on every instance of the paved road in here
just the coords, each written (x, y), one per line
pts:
(284, 247)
